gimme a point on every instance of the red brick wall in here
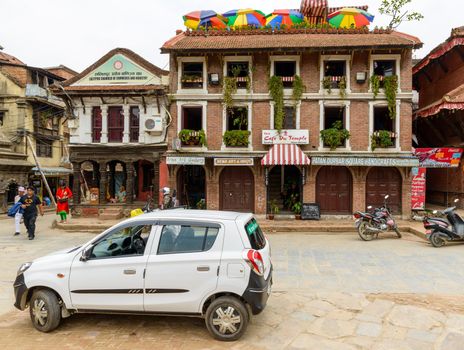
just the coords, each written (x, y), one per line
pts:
(359, 121)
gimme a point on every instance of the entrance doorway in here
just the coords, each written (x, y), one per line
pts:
(191, 186)
(237, 189)
(143, 182)
(285, 182)
(383, 181)
(334, 190)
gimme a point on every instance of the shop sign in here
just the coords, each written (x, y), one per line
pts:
(118, 70)
(418, 188)
(363, 161)
(439, 157)
(297, 137)
(185, 160)
(233, 161)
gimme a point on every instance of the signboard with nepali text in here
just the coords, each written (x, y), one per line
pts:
(418, 188)
(118, 70)
(297, 137)
(439, 157)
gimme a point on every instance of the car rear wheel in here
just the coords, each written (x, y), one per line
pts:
(45, 310)
(227, 318)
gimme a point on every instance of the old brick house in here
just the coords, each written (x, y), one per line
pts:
(439, 119)
(117, 121)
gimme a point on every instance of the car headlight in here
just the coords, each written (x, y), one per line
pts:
(24, 267)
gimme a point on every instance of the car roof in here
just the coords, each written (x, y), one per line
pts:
(193, 214)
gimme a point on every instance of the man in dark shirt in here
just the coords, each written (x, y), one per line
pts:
(30, 203)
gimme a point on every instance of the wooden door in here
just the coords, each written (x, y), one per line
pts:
(334, 190)
(115, 124)
(237, 189)
(96, 124)
(383, 181)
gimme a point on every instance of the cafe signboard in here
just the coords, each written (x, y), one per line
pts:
(233, 161)
(297, 137)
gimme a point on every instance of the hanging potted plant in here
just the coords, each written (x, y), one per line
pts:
(327, 84)
(192, 137)
(391, 88)
(375, 84)
(382, 139)
(274, 209)
(342, 87)
(276, 90)
(297, 210)
(335, 136)
(298, 89)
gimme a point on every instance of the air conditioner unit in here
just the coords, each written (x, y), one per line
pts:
(153, 125)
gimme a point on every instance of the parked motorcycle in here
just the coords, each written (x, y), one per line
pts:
(370, 224)
(438, 231)
(169, 200)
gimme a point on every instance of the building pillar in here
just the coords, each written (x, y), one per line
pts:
(260, 190)
(103, 183)
(359, 188)
(406, 192)
(156, 183)
(104, 133)
(130, 183)
(76, 185)
(309, 188)
(125, 135)
(212, 188)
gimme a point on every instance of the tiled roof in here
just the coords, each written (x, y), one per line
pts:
(452, 100)
(6, 58)
(290, 39)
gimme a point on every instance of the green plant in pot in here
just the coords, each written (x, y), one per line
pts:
(201, 204)
(335, 136)
(274, 209)
(192, 137)
(342, 87)
(297, 210)
(327, 84)
(382, 139)
(236, 138)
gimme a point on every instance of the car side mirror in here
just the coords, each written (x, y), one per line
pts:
(86, 253)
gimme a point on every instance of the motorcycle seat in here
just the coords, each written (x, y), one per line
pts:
(439, 220)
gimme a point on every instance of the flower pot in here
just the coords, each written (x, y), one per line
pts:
(270, 216)
(297, 216)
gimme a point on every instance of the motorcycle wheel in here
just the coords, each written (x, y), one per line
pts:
(436, 240)
(363, 233)
(398, 233)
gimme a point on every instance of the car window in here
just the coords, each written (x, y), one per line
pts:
(186, 239)
(255, 235)
(127, 241)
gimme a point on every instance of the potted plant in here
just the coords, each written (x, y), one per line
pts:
(192, 137)
(201, 204)
(382, 139)
(274, 209)
(297, 210)
(335, 136)
(236, 138)
(327, 84)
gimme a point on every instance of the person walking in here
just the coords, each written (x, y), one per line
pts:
(63, 194)
(30, 202)
(19, 213)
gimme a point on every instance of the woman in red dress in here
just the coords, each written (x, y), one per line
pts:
(63, 194)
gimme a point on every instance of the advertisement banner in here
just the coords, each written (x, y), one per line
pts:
(297, 137)
(439, 157)
(418, 188)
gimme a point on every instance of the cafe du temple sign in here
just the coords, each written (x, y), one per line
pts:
(297, 137)
(119, 70)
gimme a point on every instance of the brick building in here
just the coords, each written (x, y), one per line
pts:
(117, 120)
(439, 119)
(269, 166)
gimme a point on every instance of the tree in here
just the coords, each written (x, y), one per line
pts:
(394, 9)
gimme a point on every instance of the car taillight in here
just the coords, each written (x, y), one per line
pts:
(255, 260)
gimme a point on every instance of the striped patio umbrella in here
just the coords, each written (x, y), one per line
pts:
(287, 18)
(206, 19)
(245, 17)
(349, 17)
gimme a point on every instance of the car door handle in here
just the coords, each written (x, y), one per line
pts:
(202, 268)
(130, 272)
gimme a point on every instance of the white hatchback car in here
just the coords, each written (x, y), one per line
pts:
(210, 264)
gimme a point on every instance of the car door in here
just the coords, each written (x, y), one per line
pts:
(112, 277)
(183, 266)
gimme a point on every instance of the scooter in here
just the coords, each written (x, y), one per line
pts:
(378, 220)
(438, 231)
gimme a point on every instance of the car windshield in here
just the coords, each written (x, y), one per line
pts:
(255, 235)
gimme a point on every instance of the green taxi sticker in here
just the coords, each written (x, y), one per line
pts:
(252, 227)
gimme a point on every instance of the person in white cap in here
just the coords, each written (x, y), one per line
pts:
(19, 214)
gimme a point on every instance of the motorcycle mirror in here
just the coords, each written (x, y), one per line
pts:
(387, 196)
(369, 207)
(435, 211)
(456, 200)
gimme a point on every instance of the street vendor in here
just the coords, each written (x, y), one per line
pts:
(63, 194)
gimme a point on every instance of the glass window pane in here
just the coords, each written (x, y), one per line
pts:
(186, 239)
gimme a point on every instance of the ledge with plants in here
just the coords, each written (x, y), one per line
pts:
(192, 137)
(335, 82)
(236, 138)
(191, 79)
(383, 139)
(335, 136)
(390, 87)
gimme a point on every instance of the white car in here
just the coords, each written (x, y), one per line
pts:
(210, 264)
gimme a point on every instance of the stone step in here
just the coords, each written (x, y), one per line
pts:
(110, 216)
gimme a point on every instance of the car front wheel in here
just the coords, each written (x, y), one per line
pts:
(45, 310)
(227, 318)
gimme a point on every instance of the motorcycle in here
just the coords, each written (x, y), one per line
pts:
(370, 224)
(169, 201)
(438, 231)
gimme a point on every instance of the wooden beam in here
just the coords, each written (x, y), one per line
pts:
(436, 132)
(426, 75)
(460, 52)
(83, 105)
(460, 123)
(442, 66)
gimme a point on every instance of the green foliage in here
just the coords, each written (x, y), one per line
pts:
(193, 137)
(335, 136)
(276, 90)
(327, 84)
(375, 84)
(236, 138)
(298, 89)
(391, 88)
(297, 208)
(382, 139)
(394, 9)
(229, 88)
(274, 207)
(342, 87)
(201, 204)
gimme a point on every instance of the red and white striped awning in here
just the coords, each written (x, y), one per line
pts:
(285, 154)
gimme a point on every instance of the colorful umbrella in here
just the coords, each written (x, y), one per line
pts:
(245, 17)
(197, 19)
(288, 18)
(350, 17)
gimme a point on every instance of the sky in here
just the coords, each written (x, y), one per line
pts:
(77, 33)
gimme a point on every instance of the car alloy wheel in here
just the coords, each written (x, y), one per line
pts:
(227, 320)
(40, 312)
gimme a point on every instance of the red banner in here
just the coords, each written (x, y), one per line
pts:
(439, 157)
(418, 188)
